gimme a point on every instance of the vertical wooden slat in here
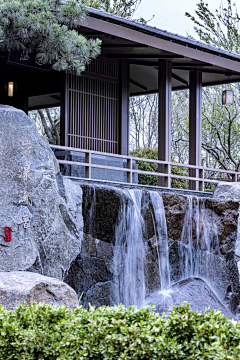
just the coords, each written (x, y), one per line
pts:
(93, 115)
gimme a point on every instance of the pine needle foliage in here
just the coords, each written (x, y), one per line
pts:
(47, 28)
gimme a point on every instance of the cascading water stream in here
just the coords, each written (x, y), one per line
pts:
(196, 248)
(198, 242)
(161, 239)
(129, 252)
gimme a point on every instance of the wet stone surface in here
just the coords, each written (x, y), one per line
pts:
(195, 291)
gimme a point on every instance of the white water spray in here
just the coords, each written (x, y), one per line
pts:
(198, 242)
(160, 227)
(129, 252)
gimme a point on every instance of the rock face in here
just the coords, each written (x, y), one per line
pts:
(227, 190)
(18, 287)
(220, 221)
(46, 227)
(101, 206)
(91, 274)
(195, 291)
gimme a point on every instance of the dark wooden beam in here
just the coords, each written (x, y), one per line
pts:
(178, 78)
(143, 63)
(124, 107)
(43, 107)
(99, 77)
(229, 81)
(93, 33)
(149, 92)
(142, 56)
(56, 97)
(164, 118)
(223, 72)
(190, 64)
(195, 124)
(138, 84)
(155, 91)
(124, 46)
(187, 68)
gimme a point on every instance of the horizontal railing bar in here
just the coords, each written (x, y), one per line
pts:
(106, 167)
(67, 148)
(185, 177)
(67, 162)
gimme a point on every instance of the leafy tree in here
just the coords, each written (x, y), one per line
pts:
(124, 8)
(47, 28)
(48, 123)
(144, 121)
(221, 125)
(220, 29)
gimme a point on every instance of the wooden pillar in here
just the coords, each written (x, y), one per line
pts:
(164, 119)
(124, 107)
(64, 110)
(195, 125)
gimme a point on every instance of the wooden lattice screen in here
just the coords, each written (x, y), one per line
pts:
(93, 116)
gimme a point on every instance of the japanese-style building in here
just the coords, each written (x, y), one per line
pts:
(136, 59)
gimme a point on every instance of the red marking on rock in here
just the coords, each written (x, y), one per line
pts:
(8, 233)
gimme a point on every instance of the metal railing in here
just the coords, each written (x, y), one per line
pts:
(198, 181)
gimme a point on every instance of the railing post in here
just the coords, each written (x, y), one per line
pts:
(201, 183)
(129, 173)
(196, 182)
(234, 177)
(88, 160)
(169, 175)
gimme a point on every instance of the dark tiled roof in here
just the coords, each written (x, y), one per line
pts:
(150, 30)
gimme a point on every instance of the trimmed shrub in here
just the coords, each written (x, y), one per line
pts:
(43, 332)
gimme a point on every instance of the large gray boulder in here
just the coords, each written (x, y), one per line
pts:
(43, 210)
(227, 190)
(195, 291)
(19, 286)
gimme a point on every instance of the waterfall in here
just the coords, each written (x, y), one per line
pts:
(129, 252)
(198, 243)
(199, 240)
(186, 253)
(160, 227)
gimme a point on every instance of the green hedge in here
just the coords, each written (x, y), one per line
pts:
(45, 333)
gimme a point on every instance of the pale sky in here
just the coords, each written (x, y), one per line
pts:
(170, 14)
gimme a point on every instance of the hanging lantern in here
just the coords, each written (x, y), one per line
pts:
(227, 97)
(10, 89)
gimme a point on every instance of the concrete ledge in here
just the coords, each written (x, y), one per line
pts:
(143, 187)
